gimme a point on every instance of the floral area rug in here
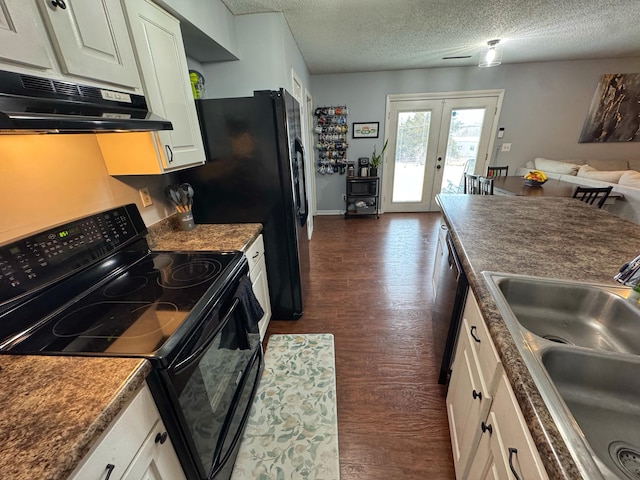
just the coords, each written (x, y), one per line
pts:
(292, 430)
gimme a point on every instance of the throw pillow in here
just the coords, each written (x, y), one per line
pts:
(630, 178)
(608, 165)
(604, 176)
(556, 166)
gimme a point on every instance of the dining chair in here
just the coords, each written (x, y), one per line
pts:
(485, 186)
(591, 194)
(470, 184)
(497, 171)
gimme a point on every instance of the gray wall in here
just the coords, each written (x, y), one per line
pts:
(544, 108)
(267, 53)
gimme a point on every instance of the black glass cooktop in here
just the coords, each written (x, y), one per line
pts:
(135, 311)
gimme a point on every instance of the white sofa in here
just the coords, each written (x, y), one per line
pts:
(623, 175)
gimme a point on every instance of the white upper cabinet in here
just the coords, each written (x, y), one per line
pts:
(91, 40)
(22, 38)
(165, 77)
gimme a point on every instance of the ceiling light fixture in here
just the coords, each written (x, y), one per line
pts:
(491, 55)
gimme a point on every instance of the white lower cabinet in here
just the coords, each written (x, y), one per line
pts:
(258, 276)
(489, 437)
(135, 447)
(506, 448)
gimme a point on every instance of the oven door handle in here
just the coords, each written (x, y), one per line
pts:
(205, 345)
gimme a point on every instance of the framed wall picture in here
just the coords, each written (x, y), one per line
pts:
(614, 115)
(365, 130)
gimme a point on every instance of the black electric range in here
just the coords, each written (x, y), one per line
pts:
(93, 287)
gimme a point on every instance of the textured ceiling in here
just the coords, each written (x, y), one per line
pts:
(339, 36)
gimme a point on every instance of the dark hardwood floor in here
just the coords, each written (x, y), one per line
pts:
(370, 285)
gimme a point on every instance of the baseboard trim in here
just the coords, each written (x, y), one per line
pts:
(330, 212)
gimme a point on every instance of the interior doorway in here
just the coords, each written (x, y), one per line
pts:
(433, 140)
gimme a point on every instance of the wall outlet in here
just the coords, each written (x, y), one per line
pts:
(344, 197)
(145, 196)
(506, 147)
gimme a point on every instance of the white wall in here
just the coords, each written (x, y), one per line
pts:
(545, 105)
(267, 53)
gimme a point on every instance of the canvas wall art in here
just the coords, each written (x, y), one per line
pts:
(614, 115)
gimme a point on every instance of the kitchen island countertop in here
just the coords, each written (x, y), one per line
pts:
(547, 237)
(233, 236)
(55, 408)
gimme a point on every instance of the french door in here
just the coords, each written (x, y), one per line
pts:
(432, 142)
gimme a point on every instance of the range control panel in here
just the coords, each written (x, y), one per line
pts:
(32, 262)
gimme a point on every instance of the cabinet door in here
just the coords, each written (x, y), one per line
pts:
(156, 459)
(91, 40)
(488, 463)
(258, 275)
(165, 77)
(437, 264)
(515, 448)
(261, 290)
(468, 402)
(22, 37)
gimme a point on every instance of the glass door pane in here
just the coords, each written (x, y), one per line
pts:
(408, 174)
(465, 130)
(411, 150)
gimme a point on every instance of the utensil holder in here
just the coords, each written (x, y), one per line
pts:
(186, 220)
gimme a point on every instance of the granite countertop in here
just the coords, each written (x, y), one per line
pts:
(548, 237)
(57, 407)
(235, 236)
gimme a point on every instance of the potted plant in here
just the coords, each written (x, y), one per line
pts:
(376, 159)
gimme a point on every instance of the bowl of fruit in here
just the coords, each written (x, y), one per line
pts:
(535, 178)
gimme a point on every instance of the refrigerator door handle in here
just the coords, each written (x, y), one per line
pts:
(302, 188)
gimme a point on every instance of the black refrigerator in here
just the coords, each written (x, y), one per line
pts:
(255, 173)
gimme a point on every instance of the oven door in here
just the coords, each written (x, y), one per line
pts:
(211, 385)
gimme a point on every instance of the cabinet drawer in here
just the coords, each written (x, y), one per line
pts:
(481, 342)
(120, 442)
(254, 252)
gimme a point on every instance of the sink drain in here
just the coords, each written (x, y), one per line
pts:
(555, 338)
(626, 458)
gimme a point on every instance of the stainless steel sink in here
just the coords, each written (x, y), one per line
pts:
(573, 313)
(602, 394)
(581, 343)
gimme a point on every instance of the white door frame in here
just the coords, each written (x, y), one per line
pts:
(481, 164)
(311, 177)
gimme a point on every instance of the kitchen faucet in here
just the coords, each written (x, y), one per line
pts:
(629, 273)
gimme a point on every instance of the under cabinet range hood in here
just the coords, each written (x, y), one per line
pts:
(30, 104)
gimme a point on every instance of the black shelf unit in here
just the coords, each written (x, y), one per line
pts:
(363, 196)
